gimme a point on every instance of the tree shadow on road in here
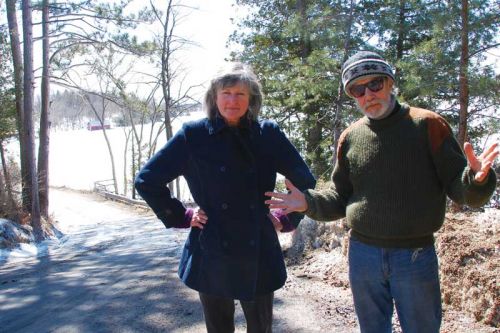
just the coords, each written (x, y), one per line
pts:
(114, 290)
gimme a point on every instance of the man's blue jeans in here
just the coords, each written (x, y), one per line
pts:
(408, 278)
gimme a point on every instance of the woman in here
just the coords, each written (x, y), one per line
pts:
(229, 160)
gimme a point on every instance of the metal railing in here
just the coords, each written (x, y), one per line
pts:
(107, 185)
(106, 188)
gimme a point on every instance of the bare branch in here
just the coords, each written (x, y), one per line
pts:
(487, 47)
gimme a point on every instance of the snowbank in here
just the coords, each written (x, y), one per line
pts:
(12, 234)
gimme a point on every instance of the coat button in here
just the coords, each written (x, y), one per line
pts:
(224, 206)
(225, 244)
(223, 169)
(252, 242)
(168, 212)
(252, 207)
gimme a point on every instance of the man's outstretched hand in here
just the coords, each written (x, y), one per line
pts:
(294, 201)
(481, 164)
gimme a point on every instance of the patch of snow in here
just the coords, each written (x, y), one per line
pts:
(89, 223)
(13, 233)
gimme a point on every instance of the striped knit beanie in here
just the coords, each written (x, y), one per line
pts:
(364, 63)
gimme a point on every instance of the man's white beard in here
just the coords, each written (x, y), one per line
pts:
(384, 111)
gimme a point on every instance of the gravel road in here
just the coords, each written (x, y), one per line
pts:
(116, 271)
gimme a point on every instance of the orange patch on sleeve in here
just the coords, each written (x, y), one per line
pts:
(339, 145)
(343, 137)
(438, 129)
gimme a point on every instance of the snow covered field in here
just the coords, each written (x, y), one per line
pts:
(79, 158)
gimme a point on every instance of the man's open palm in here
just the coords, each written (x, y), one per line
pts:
(481, 164)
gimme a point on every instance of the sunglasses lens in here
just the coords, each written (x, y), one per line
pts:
(374, 85)
(357, 91)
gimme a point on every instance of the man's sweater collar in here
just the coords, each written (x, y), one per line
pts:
(398, 112)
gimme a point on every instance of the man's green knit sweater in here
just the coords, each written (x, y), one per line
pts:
(392, 177)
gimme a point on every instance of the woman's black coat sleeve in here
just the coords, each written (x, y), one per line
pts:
(152, 180)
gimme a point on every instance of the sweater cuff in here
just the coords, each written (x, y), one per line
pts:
(469, 175)
(479, 193)
(188, 215)
(287, 226)
(310, 211)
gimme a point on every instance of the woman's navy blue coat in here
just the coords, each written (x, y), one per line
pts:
(228, 170)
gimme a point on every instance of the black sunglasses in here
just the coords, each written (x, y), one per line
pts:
(358, 90)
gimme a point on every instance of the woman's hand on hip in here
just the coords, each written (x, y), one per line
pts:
(199, 219)
(276, 222)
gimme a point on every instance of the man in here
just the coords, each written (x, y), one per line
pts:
(394, 169)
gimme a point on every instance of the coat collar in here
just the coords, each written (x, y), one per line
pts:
(217, 124)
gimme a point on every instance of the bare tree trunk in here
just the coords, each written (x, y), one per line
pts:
(125, 178)
(101, 119)
(168, 28)
(463, 83)
(28, 133)
(134, 171)
(138, 138)
(463, 78)
(166, 74)
(401, 34)
(4, 206)
(305, 36)
(8, 184)
(17, 59)
(111, 156)
(43, 150)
